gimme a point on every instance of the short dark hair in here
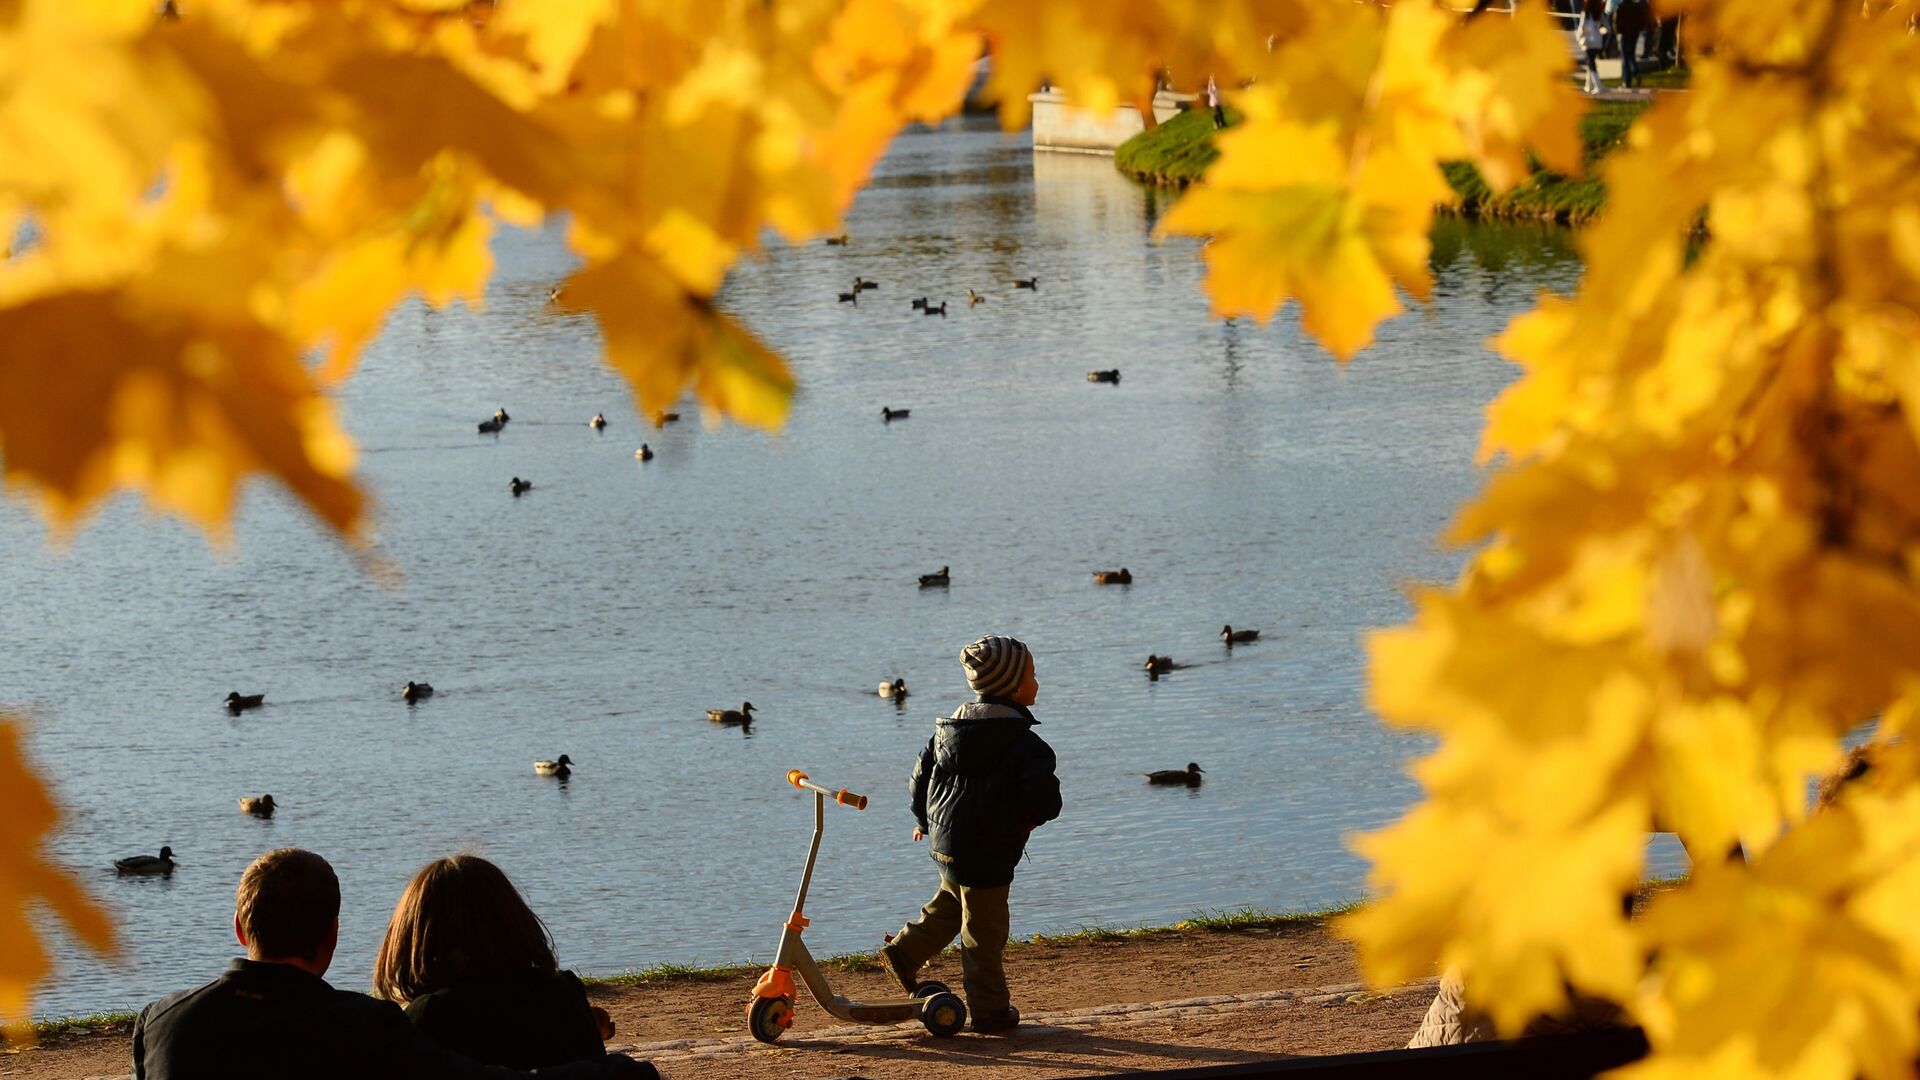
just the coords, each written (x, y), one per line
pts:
(287, 903)
(459, 919)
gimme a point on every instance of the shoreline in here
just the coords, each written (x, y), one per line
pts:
(1178, 152)
(1205, 921)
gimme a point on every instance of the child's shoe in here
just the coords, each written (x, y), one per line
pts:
(898, 969)
(1005, 1020)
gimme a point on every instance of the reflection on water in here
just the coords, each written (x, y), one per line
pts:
(1238, 472)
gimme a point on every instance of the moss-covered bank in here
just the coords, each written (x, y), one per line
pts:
(1176, 153)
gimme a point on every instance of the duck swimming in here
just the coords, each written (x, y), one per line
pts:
(599, 422)
(664, 418)
(1158, 665)
(920, 304)
(1031, 283)
(415, 691)
(260, 807)
(489, 427)
(740, 717)
(1111, 375)
(850, 297)
(1189, 776)
(896, 689)
(1113, 577)
(861, 284)
(146, 864)
(974, 298)
(237, 701)
(837, 241)
(890, 415)
(645, 453)
(931, 310)
(935, 581)
(557, 767)
(1238, 637)
(519, 486)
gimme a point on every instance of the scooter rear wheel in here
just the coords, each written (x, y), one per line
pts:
(944, 1014)
(929, 988)
(769, 1018)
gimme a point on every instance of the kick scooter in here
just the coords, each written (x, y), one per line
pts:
(770, 1013)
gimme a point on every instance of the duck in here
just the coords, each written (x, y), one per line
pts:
(599, 422)
(837, 241)
(850, 297)
(931, 310)
(560, 767)
(146, 864)
(519, 486)
(920, 304)
(1158, 665)
(896, 689)
(939, 580)
(1238, 637)
(500, 415)
(1031, 283)
(1113, 577)
(488, 427)
(645, 453)
(553, 294)
(260, 807)
(1111, 375)
(660, 418)
(890, 415)
(1189, 776)
(974, 299)
(415, 691)
(237, 701)
(861, 284)
(740, 717)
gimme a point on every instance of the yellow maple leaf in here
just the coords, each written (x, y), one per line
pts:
(28, 881)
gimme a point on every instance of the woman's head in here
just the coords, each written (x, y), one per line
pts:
(459, 919)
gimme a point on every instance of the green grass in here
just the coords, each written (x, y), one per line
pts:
(49, 1031)
(1177, 152)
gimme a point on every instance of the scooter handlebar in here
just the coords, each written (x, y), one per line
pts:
(843, 796)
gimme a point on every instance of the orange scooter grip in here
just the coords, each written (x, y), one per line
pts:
(848, 798)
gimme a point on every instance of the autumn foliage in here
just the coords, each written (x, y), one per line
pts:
(1694, 564)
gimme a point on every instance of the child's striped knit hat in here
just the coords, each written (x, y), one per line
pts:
(995, 665)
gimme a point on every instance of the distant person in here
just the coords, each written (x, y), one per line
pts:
(983, 783)
(473, 966)
(1592, 35)
(1632, 19)
(1213, 102)
(273, 1015)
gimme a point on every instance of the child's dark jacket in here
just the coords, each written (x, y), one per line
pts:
(983, 782)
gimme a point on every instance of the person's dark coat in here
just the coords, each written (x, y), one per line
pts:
(523, 1021)
(262, 1019)
(984, 781)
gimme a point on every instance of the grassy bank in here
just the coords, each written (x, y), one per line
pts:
(1233, 920)
(1177, 152)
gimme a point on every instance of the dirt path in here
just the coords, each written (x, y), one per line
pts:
(1175, 999)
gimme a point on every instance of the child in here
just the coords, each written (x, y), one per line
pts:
(984, 781)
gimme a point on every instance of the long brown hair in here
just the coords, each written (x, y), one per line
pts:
(459, 919)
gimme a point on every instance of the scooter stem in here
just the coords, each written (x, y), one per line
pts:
(798, 921)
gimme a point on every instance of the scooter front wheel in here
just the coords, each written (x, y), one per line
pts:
(769, 1018)
(944, 1014)
(929, 988)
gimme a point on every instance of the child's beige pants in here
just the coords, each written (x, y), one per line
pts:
(979, 918)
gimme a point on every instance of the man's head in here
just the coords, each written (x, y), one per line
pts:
(287, 909)
(1000, 667)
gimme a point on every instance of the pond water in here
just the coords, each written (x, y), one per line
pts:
(1239, 473)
